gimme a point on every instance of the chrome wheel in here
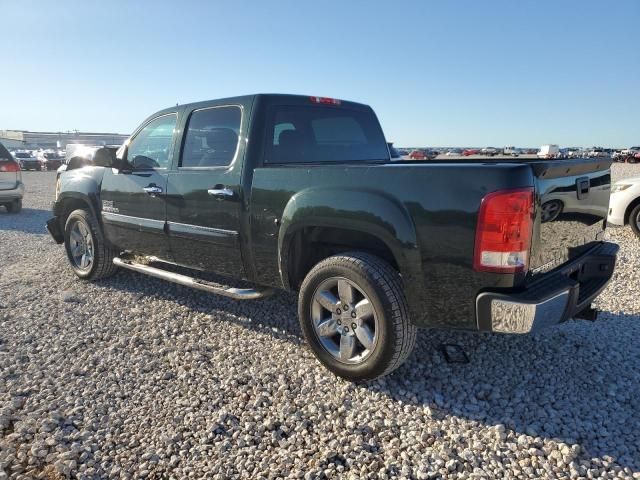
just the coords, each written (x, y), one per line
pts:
(81, 246)
(550, 211)
(344, 320)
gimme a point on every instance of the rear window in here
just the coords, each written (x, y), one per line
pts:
(319, 134)
(22, 155)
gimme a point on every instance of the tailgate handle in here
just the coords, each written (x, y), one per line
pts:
(583, 185)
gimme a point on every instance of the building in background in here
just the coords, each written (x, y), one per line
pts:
(15, 139)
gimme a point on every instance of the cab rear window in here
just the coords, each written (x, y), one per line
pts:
(323, 134)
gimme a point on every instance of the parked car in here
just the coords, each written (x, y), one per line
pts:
(417, 155)
(624, 206)
(490, 151)
(574, 152)
(11, 186)
(28, 161)
(374, 248)
(430, 153)
(598, 152)
(512, 151)
(548, 151)
(50, 160)
(454, 152)
(470, 151)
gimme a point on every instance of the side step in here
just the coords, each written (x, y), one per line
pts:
(235, 293)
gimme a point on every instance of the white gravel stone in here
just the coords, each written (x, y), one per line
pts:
(133, 377)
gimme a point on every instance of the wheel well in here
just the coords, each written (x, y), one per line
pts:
(310, 245)
(631, 206)
(68, 206)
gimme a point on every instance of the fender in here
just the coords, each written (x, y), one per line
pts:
(361, 209)
(80, 184)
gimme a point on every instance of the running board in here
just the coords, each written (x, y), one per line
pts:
(235, 293)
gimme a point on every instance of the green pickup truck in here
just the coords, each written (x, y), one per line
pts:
(300, 193)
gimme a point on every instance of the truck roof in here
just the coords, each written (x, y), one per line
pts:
(271, 97)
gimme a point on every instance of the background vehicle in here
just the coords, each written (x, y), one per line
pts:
(27, 160)
(454, 152)
(548, 151)
(470, 151)
(624, 206)
(598, 152)
(491, 151)
(312, 203)
(11, 186)
(50, 160)
(512, 151)
(417, 155)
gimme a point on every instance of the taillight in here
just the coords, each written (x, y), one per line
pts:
(503, 233)
(9, 166)
(325, 100)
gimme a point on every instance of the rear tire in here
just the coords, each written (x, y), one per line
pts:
(383, 336)
(89, 255)
(551, 210)
(634, 220)
(14, 206)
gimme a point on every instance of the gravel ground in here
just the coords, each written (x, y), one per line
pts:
(137, 378)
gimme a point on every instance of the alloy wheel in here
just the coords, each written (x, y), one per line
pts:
(81, 246)
(344, 320)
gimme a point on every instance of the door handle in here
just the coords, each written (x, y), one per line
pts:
(221, 192)
(152, 189)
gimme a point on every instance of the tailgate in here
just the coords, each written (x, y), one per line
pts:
(572, 204)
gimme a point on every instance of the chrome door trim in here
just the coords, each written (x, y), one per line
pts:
(205, 234)
(136, 223)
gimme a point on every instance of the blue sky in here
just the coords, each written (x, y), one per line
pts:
(455, 72)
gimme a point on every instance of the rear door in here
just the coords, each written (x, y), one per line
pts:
(204, 194)
(134, 198)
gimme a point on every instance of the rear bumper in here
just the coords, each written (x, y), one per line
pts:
(12, 194)
(551, 300)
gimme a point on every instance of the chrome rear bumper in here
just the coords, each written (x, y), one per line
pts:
(551, 300)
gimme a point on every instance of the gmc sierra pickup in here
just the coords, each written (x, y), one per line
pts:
(299, 193)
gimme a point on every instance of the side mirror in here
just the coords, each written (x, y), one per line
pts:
(106, 157)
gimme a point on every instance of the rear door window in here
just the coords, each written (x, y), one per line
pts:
(212, 137)
(319, 134)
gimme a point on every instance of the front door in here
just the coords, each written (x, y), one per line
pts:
(134, 198)
(204, 194)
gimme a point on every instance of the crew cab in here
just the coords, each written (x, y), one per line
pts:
(300, 193)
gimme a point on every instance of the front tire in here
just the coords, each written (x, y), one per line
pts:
(634, 220)
(355, 317)
(89, 255)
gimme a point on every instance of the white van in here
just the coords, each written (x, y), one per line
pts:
(548, 151)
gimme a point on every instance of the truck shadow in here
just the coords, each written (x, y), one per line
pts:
(559, 384)
(29, 220)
